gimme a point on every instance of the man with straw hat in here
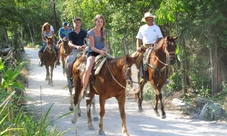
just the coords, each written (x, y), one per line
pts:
(148, 35)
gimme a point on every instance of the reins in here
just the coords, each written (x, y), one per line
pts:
(113, 76)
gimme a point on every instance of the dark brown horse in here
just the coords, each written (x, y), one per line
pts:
(65, 50)
(49, 58)
(109, 82)
(159, 60)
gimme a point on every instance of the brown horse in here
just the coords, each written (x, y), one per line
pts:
(65, 50)
(49, 58)
(109, 82)
(159, 59)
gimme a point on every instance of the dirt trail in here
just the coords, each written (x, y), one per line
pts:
(138, 124)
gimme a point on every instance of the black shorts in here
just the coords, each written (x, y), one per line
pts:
(93, 54)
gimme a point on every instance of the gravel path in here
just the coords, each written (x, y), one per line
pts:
(138, 124)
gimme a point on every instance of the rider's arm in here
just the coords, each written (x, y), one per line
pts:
(138, 42)
(42, 36)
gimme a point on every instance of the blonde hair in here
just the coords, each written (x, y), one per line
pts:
(44, 26)
(99, 16)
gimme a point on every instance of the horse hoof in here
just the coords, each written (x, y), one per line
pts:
(70, 108)
(163, 116)
(73, 121)
(79, 114)
(126, 134)
(157, 114)
(91, 127)
(140, 110)
(102, 133)
(96, 118)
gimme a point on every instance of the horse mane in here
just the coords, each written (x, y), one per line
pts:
(160, 43)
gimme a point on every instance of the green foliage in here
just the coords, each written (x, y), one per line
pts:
(148, 92)
(175, 83)
(9, 77)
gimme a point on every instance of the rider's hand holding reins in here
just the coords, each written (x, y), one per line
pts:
(81, 47)
(103, 52)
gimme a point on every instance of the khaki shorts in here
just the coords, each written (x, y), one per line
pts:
(73, 55)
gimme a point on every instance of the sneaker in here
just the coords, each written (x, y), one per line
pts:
(40, 64)
(70, 83)
(86, 96)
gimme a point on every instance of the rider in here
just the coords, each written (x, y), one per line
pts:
(46, 31)
(148, 34)
(69, 28)
(97, 38)
(63, 33)
(76, 42)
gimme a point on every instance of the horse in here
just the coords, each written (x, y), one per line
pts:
(109, 82)
(49, 58)
(159, 60)
(65, 50)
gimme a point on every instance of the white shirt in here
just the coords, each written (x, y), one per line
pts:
(149, 34)
(51, 28)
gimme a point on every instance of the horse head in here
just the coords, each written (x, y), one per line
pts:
(169, 49)
(66, 47)
(132, 73)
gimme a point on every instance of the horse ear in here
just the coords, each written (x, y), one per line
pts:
(46, 37)
(175, 37)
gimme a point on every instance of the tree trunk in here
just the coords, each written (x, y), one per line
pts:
(183, 67)
(214, 65)
(55, 16)
(30, 33)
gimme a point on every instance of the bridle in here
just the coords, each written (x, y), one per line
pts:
(169, 55)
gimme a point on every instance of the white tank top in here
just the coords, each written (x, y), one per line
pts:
(47, 34)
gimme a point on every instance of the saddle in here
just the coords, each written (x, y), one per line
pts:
(143, 66)
(99, 61)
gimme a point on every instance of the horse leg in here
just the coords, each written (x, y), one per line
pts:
(121, 104)
(89, 120)
(95, 117)
(102, 101)
(78, 107)
(47, 74)
(51, 74)
(139, 95)
(71, 99)
(75, 115)
(157, 96)
(63, 64)
(156, 104)
(77, 99)
(161, 103)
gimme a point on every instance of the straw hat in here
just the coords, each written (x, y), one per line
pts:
(147, 14)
